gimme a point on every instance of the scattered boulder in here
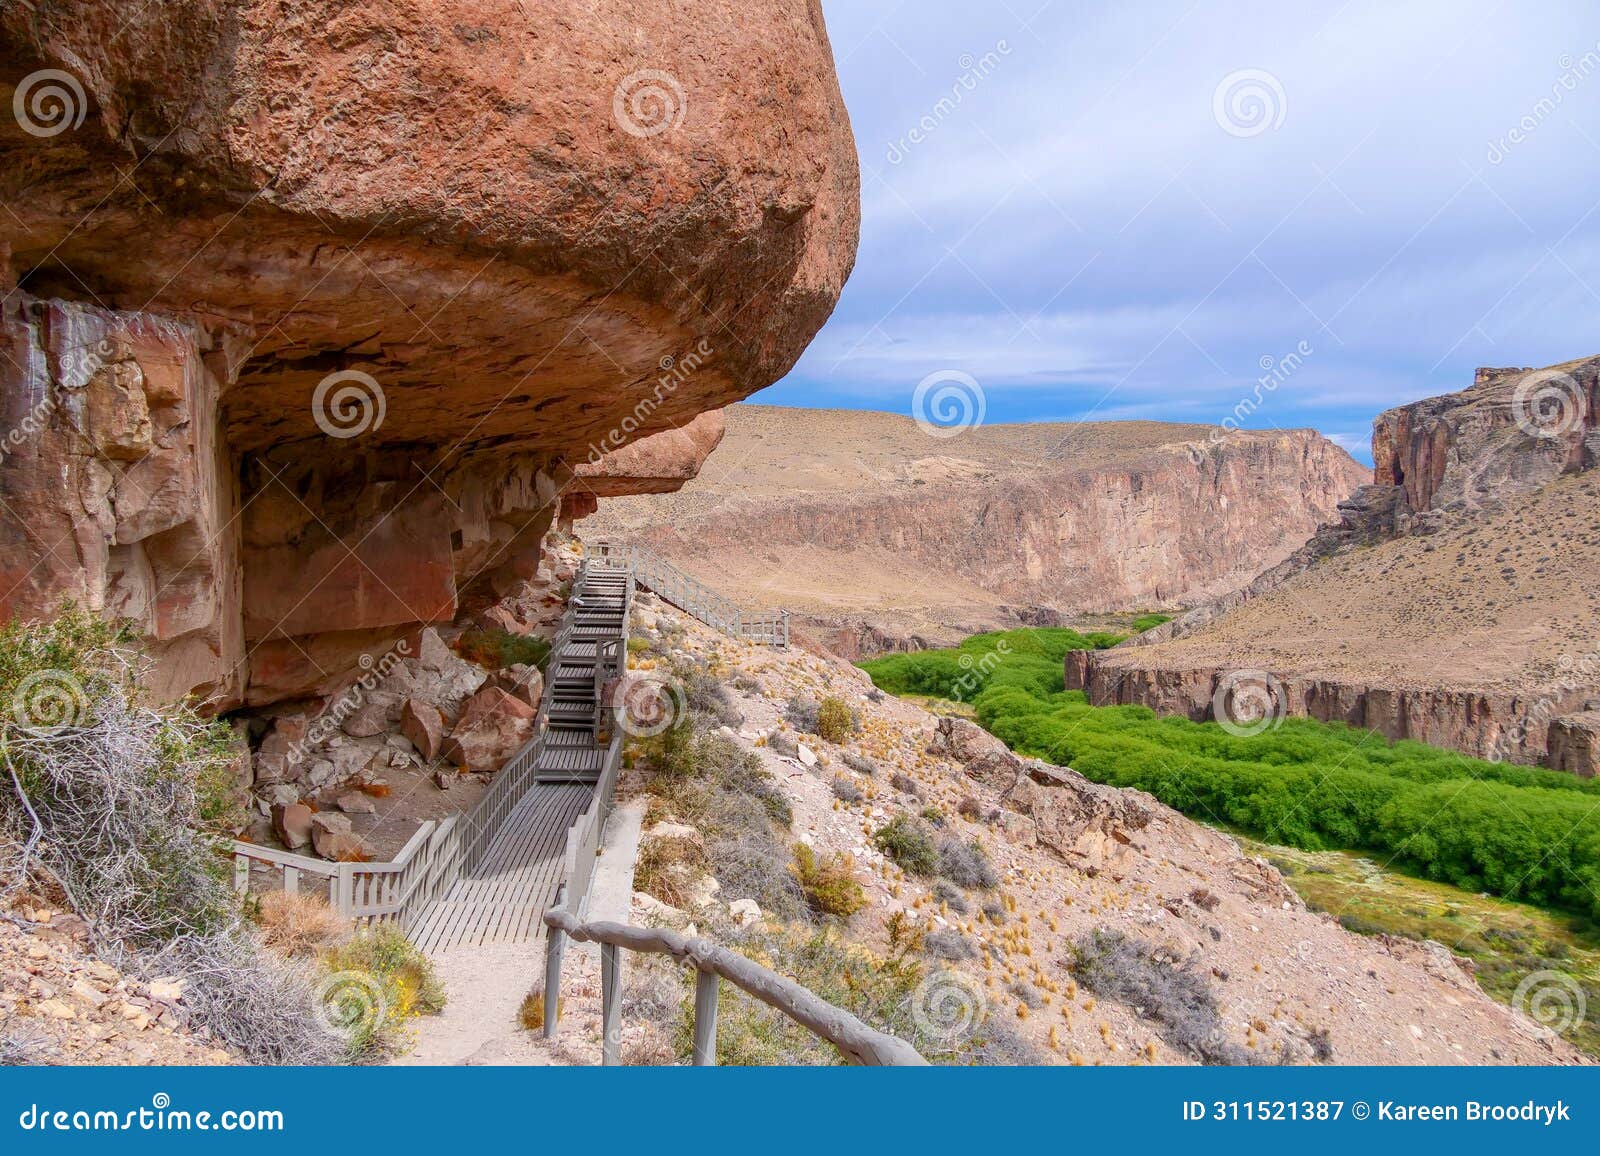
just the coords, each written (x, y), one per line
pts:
(291, 822)
(521, 681)
(356, 803)
(492, 727)
(423, 726)
(744, 912)
(433, 653)
(332, 836)
(807, 756)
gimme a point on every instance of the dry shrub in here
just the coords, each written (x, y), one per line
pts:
(829, 884)
(298, 926)
(531, 1014)
(668, 868)
(836, 722)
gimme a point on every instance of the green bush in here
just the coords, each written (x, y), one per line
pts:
(909, 844)
(836, 722)
(376, 982)
(1028, 659)
(1519, 832)
(497, 649)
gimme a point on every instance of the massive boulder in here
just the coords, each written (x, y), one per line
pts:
(311, 308)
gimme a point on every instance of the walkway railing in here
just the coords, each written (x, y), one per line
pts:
(438, 853)
(691, 595)
(712, 964)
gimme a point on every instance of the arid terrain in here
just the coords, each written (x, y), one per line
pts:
(1291, 985)
(879, 536)
(1454, 602)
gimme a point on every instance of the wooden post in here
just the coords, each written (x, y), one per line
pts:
(241, 874)
(706, 985)
(291, 880)
(554, 950)
(610, 1005)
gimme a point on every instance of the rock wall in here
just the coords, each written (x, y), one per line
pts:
(1160, 528)
(1448, 461)
(374, 280)
(1514, 728)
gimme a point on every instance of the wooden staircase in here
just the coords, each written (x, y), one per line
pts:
(590, 651)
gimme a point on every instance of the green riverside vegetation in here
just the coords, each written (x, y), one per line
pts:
(1518, 832)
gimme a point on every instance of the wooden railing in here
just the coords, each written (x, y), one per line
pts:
(691, 595)
(438, 853)
(858, 1043)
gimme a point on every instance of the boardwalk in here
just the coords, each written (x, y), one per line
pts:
(503, 900)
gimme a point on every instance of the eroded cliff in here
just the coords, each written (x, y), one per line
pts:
(1453, 602)
(312, 310)
(879, 534)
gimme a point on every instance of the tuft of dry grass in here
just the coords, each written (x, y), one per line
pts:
(299, 926)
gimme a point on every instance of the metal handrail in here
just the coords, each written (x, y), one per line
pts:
(691, 595)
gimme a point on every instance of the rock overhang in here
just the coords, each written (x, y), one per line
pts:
(422, 263)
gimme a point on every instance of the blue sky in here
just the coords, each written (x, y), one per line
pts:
(1128, 210)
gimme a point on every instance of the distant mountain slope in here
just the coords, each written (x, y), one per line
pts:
(1456, 601)
(879, 535)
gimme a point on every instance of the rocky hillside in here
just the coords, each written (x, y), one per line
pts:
(311, 311)
(1075, 868)
(881, 536)
(1453, 602)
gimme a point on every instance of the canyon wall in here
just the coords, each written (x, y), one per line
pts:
(314, 312)
(880, 537)
(1451, 602)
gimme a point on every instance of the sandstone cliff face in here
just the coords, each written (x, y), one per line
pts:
(1468, 617)
(837, 514)
(371, 281)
